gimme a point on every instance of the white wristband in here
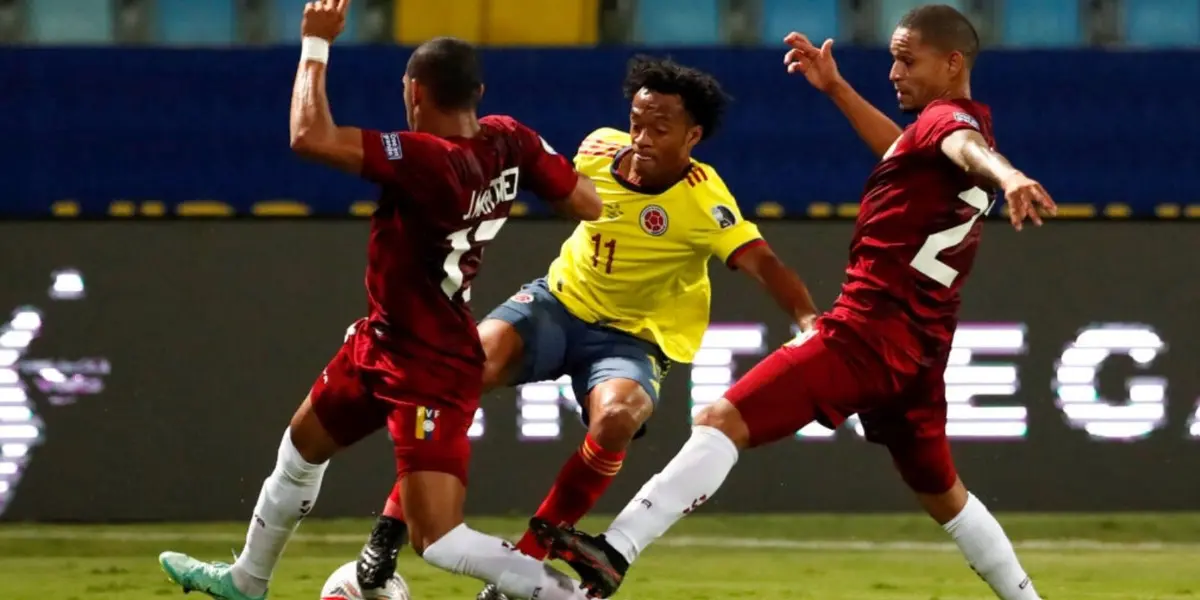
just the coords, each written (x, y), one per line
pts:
(315, 49)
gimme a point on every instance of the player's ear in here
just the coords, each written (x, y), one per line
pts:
(694, 134)
(479, 95)
(957, 63)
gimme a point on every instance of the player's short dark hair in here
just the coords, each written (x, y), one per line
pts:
(449, 68)
(702, 96)
(945, 28)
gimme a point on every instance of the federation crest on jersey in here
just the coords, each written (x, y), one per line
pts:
(654, 220)
(522, 297)
(426, 423)
(724, 216)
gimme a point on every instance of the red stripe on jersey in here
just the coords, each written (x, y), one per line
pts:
(731, 260)
(700, 173)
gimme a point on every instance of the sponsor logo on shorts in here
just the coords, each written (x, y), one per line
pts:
(654, 220)
(522, 297)
(426, 423)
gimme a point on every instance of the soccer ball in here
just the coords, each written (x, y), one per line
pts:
(343, 585)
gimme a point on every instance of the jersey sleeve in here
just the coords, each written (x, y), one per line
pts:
(721, 228)
(543, 170)
(399, 157)
(940, 120)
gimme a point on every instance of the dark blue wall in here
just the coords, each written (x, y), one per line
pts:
(98, 125)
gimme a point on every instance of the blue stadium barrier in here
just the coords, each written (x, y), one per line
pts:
(102, 126)
(70, 22)
(1041, 23)
(818, 19)
(187, 22)
(1162, 23)
(678, 22)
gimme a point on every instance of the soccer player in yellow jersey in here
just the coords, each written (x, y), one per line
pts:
(628, 294)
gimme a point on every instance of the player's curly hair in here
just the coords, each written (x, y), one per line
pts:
(702, 96)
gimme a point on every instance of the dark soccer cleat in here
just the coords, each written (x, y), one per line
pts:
(377, 561)
(600, 567)
(491, 592)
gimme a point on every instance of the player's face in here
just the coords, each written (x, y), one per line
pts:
(920, 72)
(663, 134)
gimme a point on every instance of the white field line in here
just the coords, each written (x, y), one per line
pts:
(671, 541)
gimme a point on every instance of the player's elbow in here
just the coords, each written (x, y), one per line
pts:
(302, 143)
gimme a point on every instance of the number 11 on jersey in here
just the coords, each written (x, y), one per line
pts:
(598, 243)
(926, 261)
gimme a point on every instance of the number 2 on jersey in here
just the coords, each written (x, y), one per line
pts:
(926, 261)
(460, 243)
(610, 245)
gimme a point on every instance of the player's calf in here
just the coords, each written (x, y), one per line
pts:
(926, 467)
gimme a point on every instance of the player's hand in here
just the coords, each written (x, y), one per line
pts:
(324, 19)
(1026, 198)
(816, 64)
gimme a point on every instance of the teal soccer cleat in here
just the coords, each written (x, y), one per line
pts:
(213, 579)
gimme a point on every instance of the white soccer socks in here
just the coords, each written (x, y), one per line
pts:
(464, 551)
(287, 495)
(691, 478)
(989, 551)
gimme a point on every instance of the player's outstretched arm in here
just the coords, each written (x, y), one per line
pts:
(783, 284)
(819, 68)
(584, 201)
(314, 135)
(969, 150)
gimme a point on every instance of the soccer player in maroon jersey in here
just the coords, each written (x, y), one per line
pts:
(881, 351)
(414, 364)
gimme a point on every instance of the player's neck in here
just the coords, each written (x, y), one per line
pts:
(957, 92)
(450, 124)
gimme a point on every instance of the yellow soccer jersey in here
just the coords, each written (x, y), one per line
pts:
(642, 267)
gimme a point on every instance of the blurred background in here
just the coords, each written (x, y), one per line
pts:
(172, 278)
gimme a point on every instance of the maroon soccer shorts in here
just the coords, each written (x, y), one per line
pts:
(834, 375)
(427, 411)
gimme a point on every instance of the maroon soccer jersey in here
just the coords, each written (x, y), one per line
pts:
(442, 200)
(915, 240)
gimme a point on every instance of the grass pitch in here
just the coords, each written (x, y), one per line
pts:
(825, 557)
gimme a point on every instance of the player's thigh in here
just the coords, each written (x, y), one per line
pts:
(611, 367)
(429, 436)
(913, 428)
(540, 321)
(342, 401)
(798, 384)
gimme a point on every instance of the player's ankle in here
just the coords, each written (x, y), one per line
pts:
(248, 584)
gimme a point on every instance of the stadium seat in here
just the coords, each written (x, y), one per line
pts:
(70, 22)
(419, 20)
(287, 15)
(891, 11)
(818, 19)
(1041, 23)
(1162, 22)
(678, 22)
(542, 23)
(191, 22)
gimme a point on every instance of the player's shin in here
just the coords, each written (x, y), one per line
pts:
(989, 552)
(577, 488)
(691, 478)
(287, 495)
(468, 552)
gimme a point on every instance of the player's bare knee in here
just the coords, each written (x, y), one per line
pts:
(944, 506)
(502, 347)
(616, 411)
(723, 416)
(312, 440)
